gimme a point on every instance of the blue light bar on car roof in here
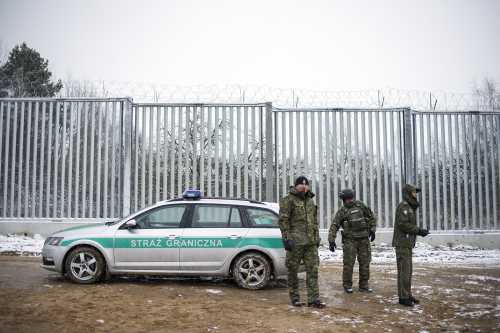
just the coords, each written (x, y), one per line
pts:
(192, 194)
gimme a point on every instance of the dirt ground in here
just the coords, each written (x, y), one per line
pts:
(465, 299)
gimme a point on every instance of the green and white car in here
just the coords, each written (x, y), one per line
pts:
(186, 236)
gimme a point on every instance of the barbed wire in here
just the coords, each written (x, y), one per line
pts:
(283, 97)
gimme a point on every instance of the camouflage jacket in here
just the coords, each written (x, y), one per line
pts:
(405, 226)
(355, 218)
(298, 218)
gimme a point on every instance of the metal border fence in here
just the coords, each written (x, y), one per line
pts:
(100, 159)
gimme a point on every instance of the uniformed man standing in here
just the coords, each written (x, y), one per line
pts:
(405, 233)
(299, 227)
(359, 226)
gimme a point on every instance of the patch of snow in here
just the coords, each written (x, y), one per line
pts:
(214, 291)
(22, 245)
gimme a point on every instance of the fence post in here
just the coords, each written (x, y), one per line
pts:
(126, 153)
(269, 153)
(408, 147)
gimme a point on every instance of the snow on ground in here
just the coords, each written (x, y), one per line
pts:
(23, 245)
(381, 254)
(426, 254)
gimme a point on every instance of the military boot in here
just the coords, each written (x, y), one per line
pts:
(414, 300)
(405, 302)
(348, 290)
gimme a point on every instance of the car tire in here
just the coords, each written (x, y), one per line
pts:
(252, 271)
(85, 265)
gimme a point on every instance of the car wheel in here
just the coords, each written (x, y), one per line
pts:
(252, 271)
(85, 265)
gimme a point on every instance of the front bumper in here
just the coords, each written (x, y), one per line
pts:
(53, 258)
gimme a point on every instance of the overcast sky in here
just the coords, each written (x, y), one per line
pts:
(320, 45)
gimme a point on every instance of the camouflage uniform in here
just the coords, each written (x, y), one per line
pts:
(405, 233)
(358, 221)
(298, 222)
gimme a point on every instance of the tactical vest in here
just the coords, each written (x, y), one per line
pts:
(356, 224)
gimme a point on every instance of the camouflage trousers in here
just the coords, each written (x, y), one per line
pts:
(309, 255)
(405, 270)
(356, 248)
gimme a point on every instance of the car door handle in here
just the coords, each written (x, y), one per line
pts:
(234, 237)
(172, 236)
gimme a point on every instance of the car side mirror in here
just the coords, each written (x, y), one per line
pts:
(131, 224)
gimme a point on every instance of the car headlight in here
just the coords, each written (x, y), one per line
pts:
(53, 241)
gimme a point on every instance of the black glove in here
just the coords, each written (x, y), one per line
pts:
(372, 236)
(333, 246)
(289, 244)
(423, 232)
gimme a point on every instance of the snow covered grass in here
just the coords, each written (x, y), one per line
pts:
(21, 245)
(381, 254)
(426, 254)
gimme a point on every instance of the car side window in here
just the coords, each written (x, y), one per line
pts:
(216, 216)
(164, 217)
(261, 218)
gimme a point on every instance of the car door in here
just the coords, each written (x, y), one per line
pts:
(215, 231)
(154, 243)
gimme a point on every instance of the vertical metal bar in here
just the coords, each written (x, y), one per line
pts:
(2, 153)
(113, 158)
(49, 160)
(106, 160)
(193, 141)
(451, 170)
(143, 158)
(466, 150)
(497, 137)
(77, 157)
(312, 128)
(20, 169)
(437, 159)
(370, 168)
(444, 163)
(254, 151)
(473, 129)
(27, 202)
(328, 165)
(486, 174)
(335, 158)
(342, 151)
(166, 150)
(126, 131)
(379, 171)
(56, 159)
(356, 155)
(84, 158)
(262, 139)
(245, 151)
(298, 137)
(269, 153)
(430, 147)
(238, 151)
(422, 168)
(157, 154)
(217, 168)
(92, 109)
(174, 146)
(13, 161)
(231, 151)
(283, 137)
(386, 167)
(202, 148)
(99, 161)
(363, 156)
(70, 162)
(348, 155)
(224, 155)
(180, 154)
(479, 171)
(6, 160)
(150, 155)
(64, 156)
(305, 130)
(493, 168)
(319, 169)
(460, 180)
(393, 164)
(290, 143)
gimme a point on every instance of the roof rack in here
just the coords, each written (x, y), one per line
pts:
(221, 198)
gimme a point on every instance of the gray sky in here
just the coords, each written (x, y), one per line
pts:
(320, 45)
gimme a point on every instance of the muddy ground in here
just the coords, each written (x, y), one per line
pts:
(453, 299)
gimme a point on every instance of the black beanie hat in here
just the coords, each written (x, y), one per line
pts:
(301, 180)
